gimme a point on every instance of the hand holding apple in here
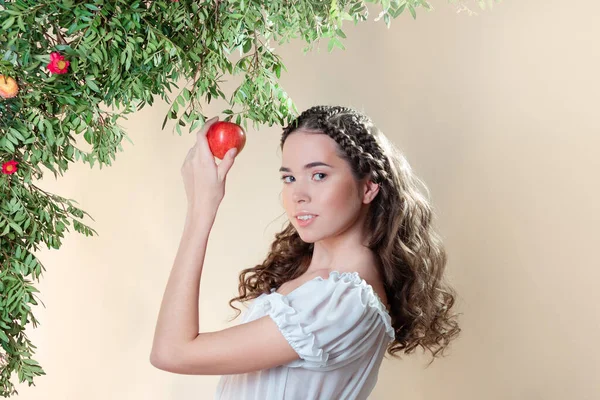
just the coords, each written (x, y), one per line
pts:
(223, 135)
(203, 179)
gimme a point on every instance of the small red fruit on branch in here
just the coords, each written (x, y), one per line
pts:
(8, 87)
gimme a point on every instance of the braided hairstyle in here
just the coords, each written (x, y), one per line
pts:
(400, 232)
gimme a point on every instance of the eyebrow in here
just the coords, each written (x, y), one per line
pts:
(307, 166)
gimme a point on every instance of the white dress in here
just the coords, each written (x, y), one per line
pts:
(340, 329)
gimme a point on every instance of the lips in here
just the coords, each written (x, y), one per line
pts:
(307, 222)
(301, 213)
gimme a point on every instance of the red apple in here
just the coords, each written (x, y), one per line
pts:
(223, 135)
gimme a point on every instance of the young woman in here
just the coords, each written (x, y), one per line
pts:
(357, 271)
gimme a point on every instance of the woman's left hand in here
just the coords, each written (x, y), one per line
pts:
(203, 179)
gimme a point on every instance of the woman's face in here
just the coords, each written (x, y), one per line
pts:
(317, 181)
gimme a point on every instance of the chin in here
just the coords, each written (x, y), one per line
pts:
(307, 240)
(308, 237)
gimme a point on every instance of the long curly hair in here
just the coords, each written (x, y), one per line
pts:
(411, 254)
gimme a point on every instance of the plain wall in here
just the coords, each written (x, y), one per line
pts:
(497, 113)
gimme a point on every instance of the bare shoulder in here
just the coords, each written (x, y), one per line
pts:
(368, 270)
(291, 285)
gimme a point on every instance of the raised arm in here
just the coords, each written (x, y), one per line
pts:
(178, 346)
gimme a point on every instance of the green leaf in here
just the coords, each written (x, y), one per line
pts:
(17, 134)
(16, 227)
(12, 138)
(247, 45)
(8, 23)
(9, 146)
(330, 45)
(411, 8)
(91, 84)
(341, 33)
(399, 11)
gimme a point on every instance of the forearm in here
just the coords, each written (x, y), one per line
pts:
(178, 320)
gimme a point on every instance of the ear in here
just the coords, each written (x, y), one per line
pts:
(370, 190)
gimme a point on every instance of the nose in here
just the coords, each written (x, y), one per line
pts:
(300, 194)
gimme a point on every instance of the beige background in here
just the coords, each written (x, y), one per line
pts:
(497, 113)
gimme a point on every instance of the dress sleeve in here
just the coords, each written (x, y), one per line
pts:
(330, 322)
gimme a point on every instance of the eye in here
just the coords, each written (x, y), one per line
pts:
(283, 178)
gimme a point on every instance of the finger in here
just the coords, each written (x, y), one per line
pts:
(191, 151)
(202, 143)
(225, 165)
(206, 126)
(188, 156)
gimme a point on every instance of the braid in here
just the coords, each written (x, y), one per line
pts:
(350, 130)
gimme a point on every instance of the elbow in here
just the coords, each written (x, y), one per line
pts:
(166, 359)
(158, 360)
(167, 364)
(154, 360)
